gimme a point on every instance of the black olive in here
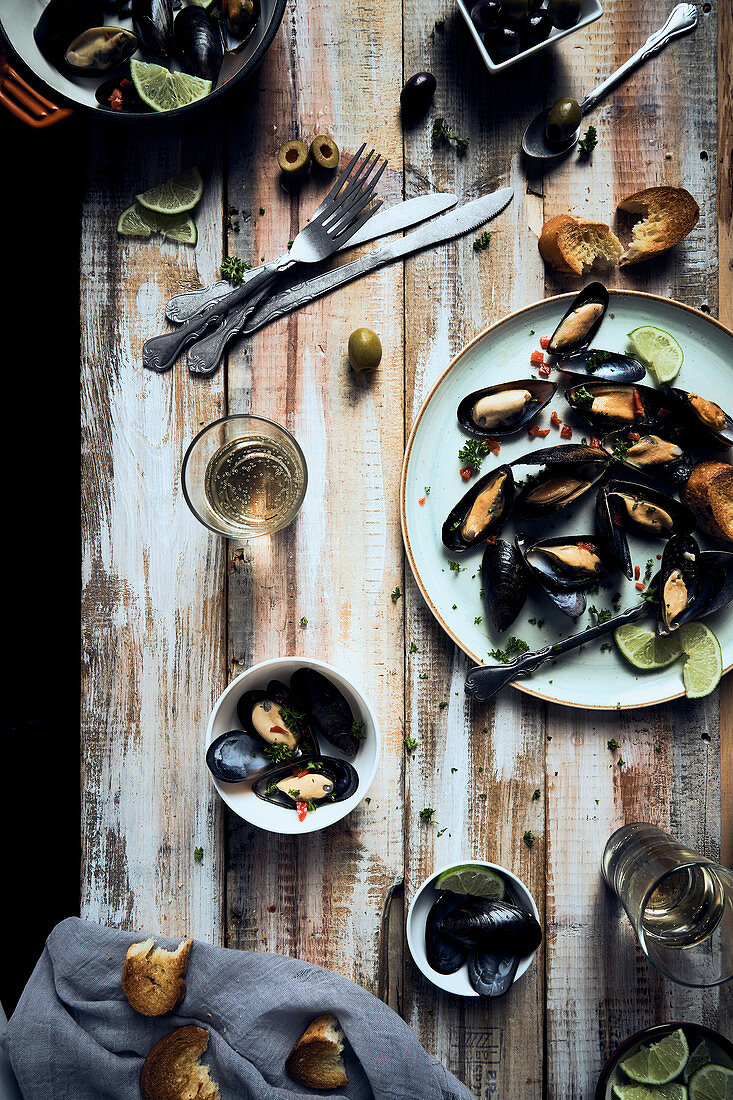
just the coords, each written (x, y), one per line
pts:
(562, 122)
(514, 12)
(417, 94)
(538, 28)
(564, 13)
(503, 44)
(486, 15)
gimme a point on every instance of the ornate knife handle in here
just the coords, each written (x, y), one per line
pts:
(203, 357)
(682, 19)
(182, 307)
(484, 681)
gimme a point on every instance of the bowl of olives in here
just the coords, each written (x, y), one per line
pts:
(508, 31)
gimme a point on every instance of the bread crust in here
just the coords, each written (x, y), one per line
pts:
(315, 1061)
(173, 1071)
(668, 215)
(153, 979)
(709, 496)
(572, 245)
(549, 243)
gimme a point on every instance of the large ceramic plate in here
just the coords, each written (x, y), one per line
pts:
(590, 677)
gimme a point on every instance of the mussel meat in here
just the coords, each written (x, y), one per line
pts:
(61, 22)
(99, 50)
(444, 954)
(327, 710)
(679, 584)
(581, 321)
(607, 405)
(481, 512)
(272, 716)
(648, 453)
(197, 43)
(710, 424)
(610, 366)
(153, 22)
(484, 925)
(503, 581)
(311, 781)
(626, 505)
(242, 16)
(570, 472)
(504, 409)
(564, 567)
(236, 756)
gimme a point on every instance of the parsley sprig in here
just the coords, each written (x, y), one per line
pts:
(443, 135)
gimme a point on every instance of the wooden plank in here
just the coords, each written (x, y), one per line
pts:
(152, 576)
(322, 897)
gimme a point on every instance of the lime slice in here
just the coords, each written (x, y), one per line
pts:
(175, 196)
(136, 221)
(179, 229)
(659, 1063)
(699, 1058)
(163, 90)
(712, 1083)
(704, 665)
(644, 649)
(650, 1092)
(467, 879)
(660, 351)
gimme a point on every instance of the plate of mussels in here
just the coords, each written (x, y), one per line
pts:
(292, 745)
(560, 492)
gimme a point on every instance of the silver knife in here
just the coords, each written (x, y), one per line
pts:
(403, 215)
(204, 355)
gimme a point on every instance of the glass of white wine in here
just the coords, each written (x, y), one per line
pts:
(244, 476)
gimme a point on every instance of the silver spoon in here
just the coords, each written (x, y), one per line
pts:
(682, 19)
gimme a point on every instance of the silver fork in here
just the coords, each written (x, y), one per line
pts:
(340, 215)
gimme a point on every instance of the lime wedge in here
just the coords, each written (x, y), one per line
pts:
(704, 665)
(660, 1062)
(467, 879)
(644, 649)
(136, 221)
(651, 1092)
(163, 90)
(712, 1083)
(699, 1058)
(175, 196)
(660, 351)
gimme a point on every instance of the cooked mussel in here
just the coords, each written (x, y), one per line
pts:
(503, 582)
(61, 22)
(444, 954)
(236, 756)
(607, 405)
(327, 710)
(492, 974)
(273, 717)
(627, 505)
(502, 410)
(581, 321)
(648, 453)
(484, 925)
(481, 512)
(99, 50)
(312, 781)
(570, 471)
(609, 366)
(153, 22)
(197, 43)
(679, 583)
(710, 425)
(564, 567)
(242, 16)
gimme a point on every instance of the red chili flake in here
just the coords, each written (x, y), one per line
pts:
(115, 100)
(639, 586)
(589, 546)
(555, 420)
(466, 472)
(638, 404)
(659, 557)
(544, 370)
(421, 500)
(634, 435)
(299, 774)
(493, 445)
(302, 808)
(595, 441)
(637, 572)
(617, 519)
(534, 431)
(491, 540)
(125, 82)
(545, 341)
(277, 729)
(663, 414)
(537, 358)
(566, 431)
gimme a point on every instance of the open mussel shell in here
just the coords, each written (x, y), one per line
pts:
(153, 22)
(61, 22)
(623, 506)
(679, 587)
(98, 50)
(502, 410)
(316, 779)
(271, 715)
(236, 756)
(480, 512)
(581, 321)
(327, 710)
(503, 582)
(487, 926)
(717, 581)
(565, 567)
(444, 954)
(491, 975)
(607, 366)
(612, 405)
(649, 454)
(709, 424)
(197, 43)
(570, 471)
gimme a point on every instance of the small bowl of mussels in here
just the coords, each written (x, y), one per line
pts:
(292, 745)
(473, 929)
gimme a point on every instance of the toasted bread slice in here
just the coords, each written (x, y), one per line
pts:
(315, 1061)
(173, 1070)
(668, 213)
(153, 978)
(709, 496)
(573, 245)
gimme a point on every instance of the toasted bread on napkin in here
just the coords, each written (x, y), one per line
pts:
(173, 1070)
(153, 979)
(315, 1061)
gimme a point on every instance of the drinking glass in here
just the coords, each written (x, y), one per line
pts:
(680, 904)
(244, 476)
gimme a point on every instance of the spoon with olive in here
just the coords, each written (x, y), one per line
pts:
(555, 131)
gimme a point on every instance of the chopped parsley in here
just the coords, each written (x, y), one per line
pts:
(443, 135)
(613, 744)
(394, 596)
(357, 731)
(198, 855)
(410, 743)
(413, 647)
(482, 242)
(599, 617)
(473, 452)
(233, 270)
(528, 838)
(442, 705)
(536, 795)
(582, 397)
(304, 621)
(455, 567)
(587, 144)
(278, 752)
(427, 814)
(478, 620)
(515, 646)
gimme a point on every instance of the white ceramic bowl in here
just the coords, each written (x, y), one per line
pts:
(590, 11)
(278, 819)
(417, 918)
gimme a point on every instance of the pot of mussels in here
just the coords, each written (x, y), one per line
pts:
(292, 745)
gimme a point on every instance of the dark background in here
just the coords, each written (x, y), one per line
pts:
(41, 182)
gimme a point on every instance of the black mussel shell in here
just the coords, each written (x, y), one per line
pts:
(118, 94)
(327, 710)
(717, 581)
(709, 425)
(99, 50)
(646, 511)
(491, 975)
(537, 28)
(611, 530)
(481, 512)
(565, 581)
(197, 43)
(62, 21)
(612, 405)
(276, 694)
(487, 926)
(340, 775)
(443, 953)
(562, 454)
(503, 44)
(236, 756)
(503, 581)
(678, 583)
(610, 366)
(651, 455)
(505, 409)
(569, 473)
(581, 321)
(153, 22)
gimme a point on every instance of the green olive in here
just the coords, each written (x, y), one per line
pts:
(324, 152)
(292, 157)
(365, 350)
(564, 13)
(562, 122)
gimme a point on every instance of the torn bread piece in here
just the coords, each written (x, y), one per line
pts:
(153, 978)
(315, 1061)
(709, 496)
(668, 215)
(574, 245)
(173, 1069)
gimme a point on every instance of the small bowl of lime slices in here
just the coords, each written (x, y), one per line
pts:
(674, 1061)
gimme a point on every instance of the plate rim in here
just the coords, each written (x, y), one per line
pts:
(519, 685)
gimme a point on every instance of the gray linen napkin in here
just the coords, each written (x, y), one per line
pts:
(73, 1035)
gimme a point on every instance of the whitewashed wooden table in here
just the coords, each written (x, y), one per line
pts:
(171, 613)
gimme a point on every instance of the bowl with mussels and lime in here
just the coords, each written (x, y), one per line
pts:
(673, 1061)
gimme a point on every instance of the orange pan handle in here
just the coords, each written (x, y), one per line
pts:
(25, 102)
